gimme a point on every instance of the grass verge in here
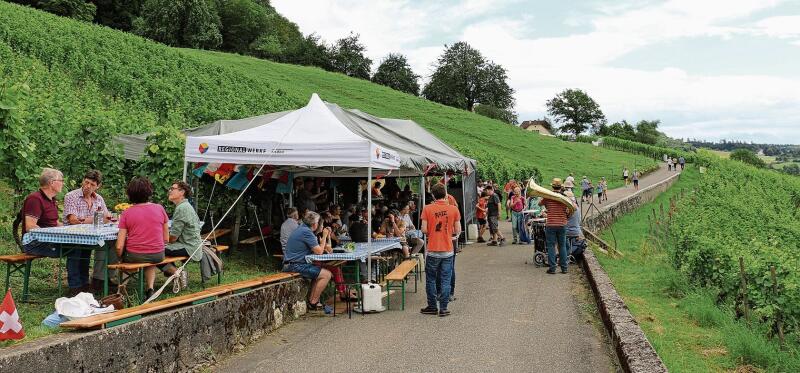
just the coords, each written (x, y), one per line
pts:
(687, 328)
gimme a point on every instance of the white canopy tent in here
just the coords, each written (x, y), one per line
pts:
(311, 137)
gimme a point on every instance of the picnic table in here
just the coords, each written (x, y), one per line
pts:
(362, 251)
(410, 234)
(76, 237)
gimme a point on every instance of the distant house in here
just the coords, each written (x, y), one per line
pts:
(538, 125)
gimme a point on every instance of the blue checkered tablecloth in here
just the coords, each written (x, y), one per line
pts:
(81, 234)
(362, 251)
(346, 239)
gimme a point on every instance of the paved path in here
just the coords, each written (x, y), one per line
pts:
(617, 194)
(508, 317)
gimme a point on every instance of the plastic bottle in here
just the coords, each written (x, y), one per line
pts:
(97, 219)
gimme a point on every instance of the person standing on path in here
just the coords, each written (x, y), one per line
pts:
(440, 222)
(569, 182)
(625, 176)
(586, 189)
(636, 179)
(509, 193)
(675, 164)
(682, 162)
(493, 217)
(669, 164)
(480, 214)
(555, 229)
(517, 204)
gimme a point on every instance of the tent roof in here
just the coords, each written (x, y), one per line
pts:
(416, 147)
(311, 136)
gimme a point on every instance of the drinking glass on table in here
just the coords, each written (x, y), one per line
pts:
(114, 218)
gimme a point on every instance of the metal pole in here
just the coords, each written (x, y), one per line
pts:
(185, 166)
(291, 190)
(369, 224)
(464, 202)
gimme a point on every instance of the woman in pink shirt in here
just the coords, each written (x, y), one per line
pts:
(143, 230)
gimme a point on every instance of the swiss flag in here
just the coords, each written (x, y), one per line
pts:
(10, 326)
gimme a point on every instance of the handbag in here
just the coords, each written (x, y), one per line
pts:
(117, 299)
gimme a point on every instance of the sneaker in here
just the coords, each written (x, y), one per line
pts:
(148, 293)
(515, 242)
(444, 313)
(429, 311)
(184, 277)
(316, 307)
(551, 271)
(502, 242)
(563, 270)
(481, 240)
(492, 243)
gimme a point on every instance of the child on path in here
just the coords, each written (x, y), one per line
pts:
(625, 176)
(599, 191)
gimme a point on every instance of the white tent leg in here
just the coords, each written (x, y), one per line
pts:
(185, 167)
(369, 223)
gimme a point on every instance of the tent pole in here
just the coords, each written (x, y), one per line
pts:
(464, 202)
(291, 190)
(369, 223)
(185, 166)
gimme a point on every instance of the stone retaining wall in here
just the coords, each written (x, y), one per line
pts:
(634, 351)
(178, 340)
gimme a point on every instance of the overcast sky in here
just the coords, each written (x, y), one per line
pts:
(708, 69)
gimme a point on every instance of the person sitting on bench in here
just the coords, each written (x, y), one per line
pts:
(40, 210)
(304, 242)
(184, 235)
(143, 230)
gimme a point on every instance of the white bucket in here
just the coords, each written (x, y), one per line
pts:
(472, 231)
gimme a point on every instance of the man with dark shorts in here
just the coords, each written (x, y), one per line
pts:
(304, 242)
(493, 217)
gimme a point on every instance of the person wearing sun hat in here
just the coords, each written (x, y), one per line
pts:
(555, 228)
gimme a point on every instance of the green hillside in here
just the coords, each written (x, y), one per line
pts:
(80, 75)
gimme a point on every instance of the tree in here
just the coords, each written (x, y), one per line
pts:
(464, 78)
(503, 115)
(395, 72)
(243, 21)
(117, 14)
(576, 111)
(749, 157)
(180, 23)
(647, 131)
(312, 51)
(347, 57)
(78, 9)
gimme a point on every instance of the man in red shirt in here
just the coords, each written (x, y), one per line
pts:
(555, 229)
(40, 210)
(441, 221)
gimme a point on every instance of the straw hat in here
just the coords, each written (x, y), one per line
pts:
(556, 183)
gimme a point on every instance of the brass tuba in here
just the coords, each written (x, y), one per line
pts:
(534, 189)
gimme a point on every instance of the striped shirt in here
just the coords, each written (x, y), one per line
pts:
(556, 213)
(74, 204)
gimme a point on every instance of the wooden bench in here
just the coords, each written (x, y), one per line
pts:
(213, 235)
(400, 274)
(126, 315)
(250, 241)
(127, 271)
(19, 263)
